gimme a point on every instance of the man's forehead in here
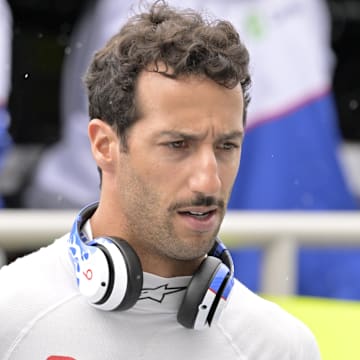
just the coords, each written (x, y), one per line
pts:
(191, 98)
(157, 80)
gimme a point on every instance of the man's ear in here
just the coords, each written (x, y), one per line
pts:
(104, 143)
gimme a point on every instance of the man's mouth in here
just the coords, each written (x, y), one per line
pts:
(198, 214)
(199, 219)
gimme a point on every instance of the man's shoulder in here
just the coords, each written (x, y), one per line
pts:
(37, 275)
(31, 286)
(260, 325)
(36, 265)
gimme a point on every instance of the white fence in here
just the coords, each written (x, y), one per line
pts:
(278, 233)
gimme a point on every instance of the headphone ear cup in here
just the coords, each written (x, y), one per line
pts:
(92, 271)
(201, 297)
(125, 274)
(135, 274)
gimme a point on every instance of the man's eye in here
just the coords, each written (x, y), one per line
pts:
(179, 144)
(229, 146)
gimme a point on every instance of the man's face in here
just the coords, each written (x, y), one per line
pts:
(175, 179)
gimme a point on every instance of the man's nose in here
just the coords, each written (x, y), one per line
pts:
(204, 175)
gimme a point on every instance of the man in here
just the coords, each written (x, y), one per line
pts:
(168, 97)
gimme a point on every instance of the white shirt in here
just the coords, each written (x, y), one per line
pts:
(43, 316)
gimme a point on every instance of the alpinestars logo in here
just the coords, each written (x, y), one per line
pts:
(158, 294)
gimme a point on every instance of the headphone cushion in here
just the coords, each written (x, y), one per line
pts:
(126, 276)
(134, 272)
(197, 290)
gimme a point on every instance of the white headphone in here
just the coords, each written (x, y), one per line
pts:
(109, 275)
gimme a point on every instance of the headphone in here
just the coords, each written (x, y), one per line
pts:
(109, 275)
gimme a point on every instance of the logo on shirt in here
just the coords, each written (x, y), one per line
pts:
(158, 294)
(59, 357)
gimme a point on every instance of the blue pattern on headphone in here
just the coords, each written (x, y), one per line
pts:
(77, 240)
(218, 279)
(218, 250)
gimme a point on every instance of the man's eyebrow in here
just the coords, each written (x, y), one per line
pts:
(234, 135)
(189, 136)
(181, 135)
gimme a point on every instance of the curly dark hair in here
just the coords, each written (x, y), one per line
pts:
(184, 41)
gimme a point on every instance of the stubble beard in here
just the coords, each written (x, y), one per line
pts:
(151, 227)
(156, 235)
(153, 230)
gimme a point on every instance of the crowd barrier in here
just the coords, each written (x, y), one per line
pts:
(278, 233)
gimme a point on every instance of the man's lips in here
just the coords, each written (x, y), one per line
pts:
(198, 212)
(200, 219)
